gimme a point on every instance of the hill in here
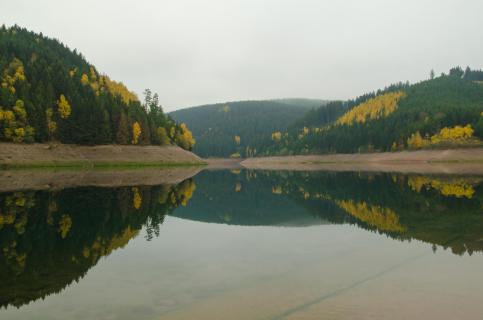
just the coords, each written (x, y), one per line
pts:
(441, 112)
(240, 128)
(51, 93)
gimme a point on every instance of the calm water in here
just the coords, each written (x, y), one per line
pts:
(247, 245)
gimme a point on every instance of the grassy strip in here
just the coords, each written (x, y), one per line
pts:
(79, 165)
(456, 161)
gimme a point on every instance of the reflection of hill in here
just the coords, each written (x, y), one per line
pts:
(441, 210)
(50, 239)
(241, 198)
(445, 211)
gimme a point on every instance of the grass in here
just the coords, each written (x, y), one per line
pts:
(456, 161)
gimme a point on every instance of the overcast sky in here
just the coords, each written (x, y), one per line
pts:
(196, 52)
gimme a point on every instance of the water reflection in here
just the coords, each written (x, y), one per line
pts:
(441, 210)
(50, 239)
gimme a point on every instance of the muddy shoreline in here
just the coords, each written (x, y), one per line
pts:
(14, 155)
(454, 161)
(17, 180)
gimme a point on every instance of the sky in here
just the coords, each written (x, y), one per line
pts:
(194, 52)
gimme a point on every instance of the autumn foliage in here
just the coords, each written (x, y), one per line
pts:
(457, 135)
(375, 108)
(50, 93)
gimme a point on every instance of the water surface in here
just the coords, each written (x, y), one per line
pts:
(247, 245)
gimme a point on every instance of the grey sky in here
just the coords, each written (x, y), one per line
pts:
(195, 52)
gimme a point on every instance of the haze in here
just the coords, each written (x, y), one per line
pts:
(197, 52)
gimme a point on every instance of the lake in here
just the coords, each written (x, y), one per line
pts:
(240, 244)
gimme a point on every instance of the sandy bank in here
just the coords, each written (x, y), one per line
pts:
(456, 161)
(16, 180)
(25, 155)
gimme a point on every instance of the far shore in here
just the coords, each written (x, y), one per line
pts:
(454, 161)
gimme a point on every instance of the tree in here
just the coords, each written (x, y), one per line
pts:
(416, 141)
(63, 107)
(456, 72)
(51, 124)
(276, 136)
(147, 99)
(136, 132)
(84, 79)
(122, 134)
(431, 74)
(163, 136)
(184, 137)
(237, 140)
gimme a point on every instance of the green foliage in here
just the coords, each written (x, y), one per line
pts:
(425, 108)
(50, 239)
(215, 126)
(319, 117)
(65, 99)
(432, 209)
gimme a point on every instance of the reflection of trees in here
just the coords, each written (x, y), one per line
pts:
(240, 198)
(441, 210)
(50, 239)
(382, 218)
(450, 187)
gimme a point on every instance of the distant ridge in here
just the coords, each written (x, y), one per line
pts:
(241, 128)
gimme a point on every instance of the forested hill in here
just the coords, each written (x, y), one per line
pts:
(240, 128)
(50, 93)
(442, 112)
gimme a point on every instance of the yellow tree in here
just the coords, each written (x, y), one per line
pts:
(65, 223)
(137, 198)
(237, 140)
(453, 134)
(63, 107)
(84, 79)
(185, 138)
(118, 89)
(276, 136)
(136, 132)
(416, 141)
(13, 73)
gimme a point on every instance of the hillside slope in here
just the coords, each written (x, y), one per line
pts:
(51, 93)
(242, 127)
(445, 112)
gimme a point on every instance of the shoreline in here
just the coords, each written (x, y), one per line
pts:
(31, 156)
(52, 179)
(452, 161)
